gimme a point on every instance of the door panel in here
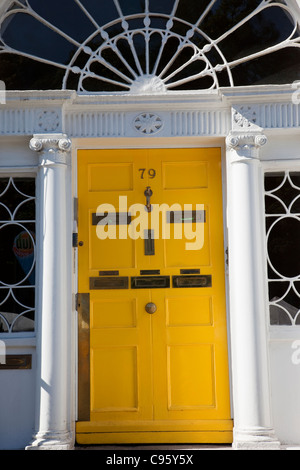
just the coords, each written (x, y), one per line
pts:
(184, 174)
(162, 376)
(191, 354)
(121, 385)
(182, 182)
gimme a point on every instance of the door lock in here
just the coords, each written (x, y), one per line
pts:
(150, 308)
(148, 193)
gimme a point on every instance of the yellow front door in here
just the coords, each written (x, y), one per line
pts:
(153, 362)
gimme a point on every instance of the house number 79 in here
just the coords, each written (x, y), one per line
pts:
(151, 173)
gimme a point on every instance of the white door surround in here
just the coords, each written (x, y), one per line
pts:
(141, 104)
(245, 122)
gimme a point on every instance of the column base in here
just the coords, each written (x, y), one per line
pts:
(255, 439)
(51, 441)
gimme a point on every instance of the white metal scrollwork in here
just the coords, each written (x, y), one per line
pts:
(130, 59)
(17, 226)
(283, 229)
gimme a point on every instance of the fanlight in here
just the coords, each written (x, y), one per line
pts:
(149, 46)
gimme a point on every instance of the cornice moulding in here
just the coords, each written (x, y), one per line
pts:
(258, 94)
(222, 97)
(183, 115)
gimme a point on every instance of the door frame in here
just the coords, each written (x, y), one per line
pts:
(235, 119)
(161, 143)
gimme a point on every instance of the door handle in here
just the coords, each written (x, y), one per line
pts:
(148, 193)
(150, 308)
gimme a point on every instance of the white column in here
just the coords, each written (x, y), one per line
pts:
(248, 307)
(53, 429)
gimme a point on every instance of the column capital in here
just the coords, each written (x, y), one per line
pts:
(53, 148)
(246, 145)
(245, 141)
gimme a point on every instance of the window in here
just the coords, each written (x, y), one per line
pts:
(282, 202)
(145, 46)
(17, 254)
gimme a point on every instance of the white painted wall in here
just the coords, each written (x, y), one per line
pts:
(17, 398)
(285, 378)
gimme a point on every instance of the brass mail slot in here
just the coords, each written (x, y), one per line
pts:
(150, 282)
(147, 272)
(115, 218)
(16, 361)
(190, 271)
(186, 217)
(192, 281)
(108, 283)
(109, 273)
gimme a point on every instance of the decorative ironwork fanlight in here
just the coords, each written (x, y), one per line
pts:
(146, 46)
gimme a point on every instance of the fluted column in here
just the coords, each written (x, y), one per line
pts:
(53, 374)
(248, 309)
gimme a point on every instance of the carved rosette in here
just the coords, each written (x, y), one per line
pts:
(53, 149)
(148, 123)
(245, 117)
(48, 121)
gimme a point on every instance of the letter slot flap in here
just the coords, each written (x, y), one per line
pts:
(150, 282)
(192, 281)
(109, 282)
